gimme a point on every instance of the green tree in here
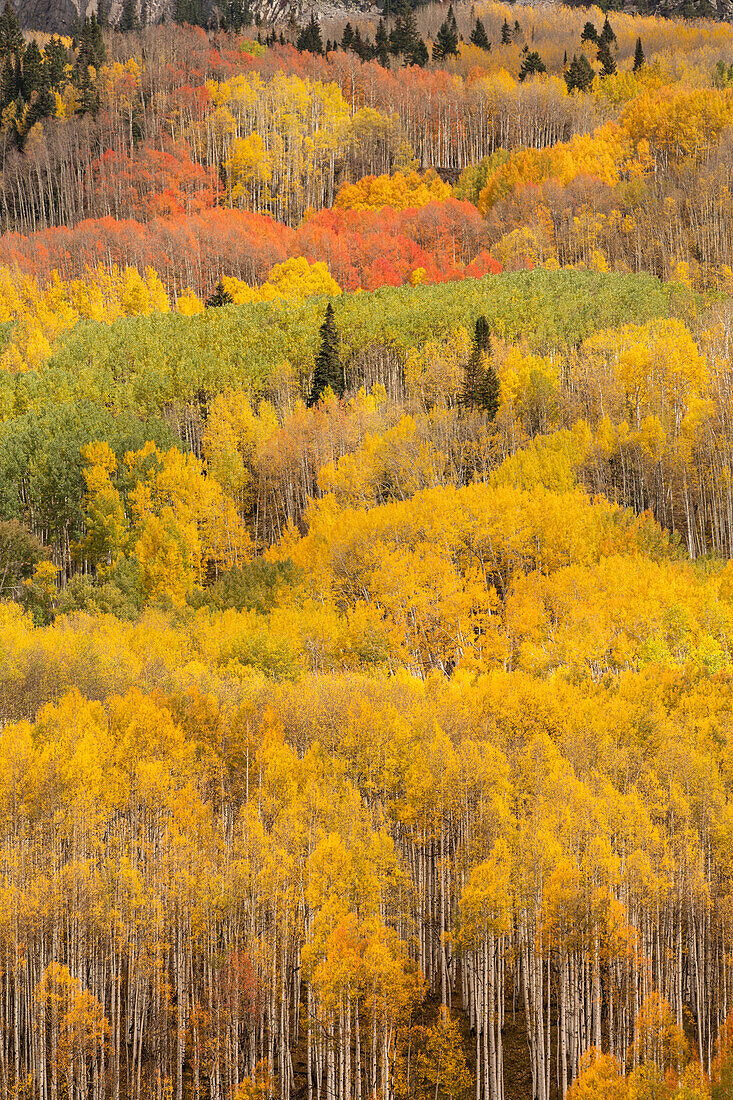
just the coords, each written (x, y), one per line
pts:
(33, 74)
(531, 66)
(446, 41)
(506, 34)
(589, 33)
(309, 39)
(605, 58)
(639, 58)
(327, 372)
(11, 36)
(219, 297)
(607, 33)
(579, 76)
(480, 386)
(479, 37)
(381, 44)
(128, 17)
(56, 60)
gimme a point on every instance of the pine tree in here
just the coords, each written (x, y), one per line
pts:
(33, 74)
(479, 37)
(403, 38)
(480, 388)
(446, 41)
(579, 76)
(11, 36)
(607, 35)
(309, 38)
(639, 58)
(347, 37)
(589, 33)
(128, 17)
(506, 34)
(419, 54)
(605, 57)
(531, 66)
(327, 372)
(381, 44)
(219, 297)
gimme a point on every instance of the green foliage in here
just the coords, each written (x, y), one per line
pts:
(309, 39)
(328, 372)
(479, 37)
(532, 65)
(579, 75)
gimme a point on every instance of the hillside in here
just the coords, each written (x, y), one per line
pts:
(366, 543)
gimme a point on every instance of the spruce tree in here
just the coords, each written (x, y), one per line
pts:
(219, 297)
(480, 388)
(579, 75)
(531, 65)
(607, 35)
(506, 34)
(33, 74)
(381, 44)
(11, 36)
(589, 33)
(479, 37)
(639, 58)
(347, 37)
(605, 57)
(128, 17)
(309, 38)
(446, 41)
(327, 372)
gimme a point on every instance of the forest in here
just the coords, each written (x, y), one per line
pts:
(366, 555)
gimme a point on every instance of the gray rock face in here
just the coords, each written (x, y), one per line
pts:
(50, 16)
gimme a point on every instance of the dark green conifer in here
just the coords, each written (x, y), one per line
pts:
(479, 37)
(532, 65)
(327, 372)
(309, 39)
(639, 58)
(219, 297)
(579, 75)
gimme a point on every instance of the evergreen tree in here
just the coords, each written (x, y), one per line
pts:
(579, 75)
(8, 90)
(103, 13)
(506, 34)
(605, 57)
(33, 74)
(219, 297)
(589, 33)
(309, 38)
(446, 41)
(607, 35)
(327, 370)
(348, 36)
(517, 29)
(531, 66)
(479, 37)
(128, 17)
(11, 36)
(381, 44)
(418, 55)
(639, 58)
(403, 38)
(480, 387)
